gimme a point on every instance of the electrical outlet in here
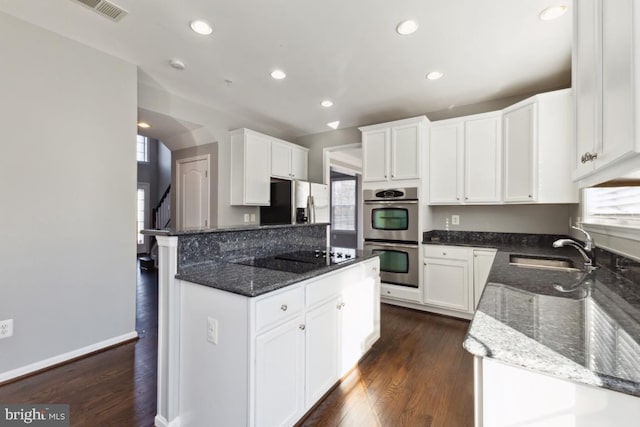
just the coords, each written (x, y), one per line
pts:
(246, 217)
(253, 217)
(6, 328)
(212, 330)
(455, 219)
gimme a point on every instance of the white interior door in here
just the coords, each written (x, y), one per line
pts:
(193, 193)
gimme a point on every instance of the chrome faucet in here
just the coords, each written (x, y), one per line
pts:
(587, 251)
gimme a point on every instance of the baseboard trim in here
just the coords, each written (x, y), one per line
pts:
(37, 367)
(161, 421)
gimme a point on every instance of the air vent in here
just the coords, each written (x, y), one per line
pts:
(105, 8)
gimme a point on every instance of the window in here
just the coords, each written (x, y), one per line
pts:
(343, 205)
(141, 215)
(616, 206)
(142, 149)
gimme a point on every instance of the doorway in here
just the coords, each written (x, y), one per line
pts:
(192, 195)
(344, 209)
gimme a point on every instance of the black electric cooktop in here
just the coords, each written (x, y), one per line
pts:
(302, 261)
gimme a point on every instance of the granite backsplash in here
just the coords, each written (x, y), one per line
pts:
(194, 249)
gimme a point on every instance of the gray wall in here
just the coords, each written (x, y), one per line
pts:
(546, 219)
(212, 151)
(68, 185)
(317, 142)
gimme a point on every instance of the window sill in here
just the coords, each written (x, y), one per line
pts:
(624, 231)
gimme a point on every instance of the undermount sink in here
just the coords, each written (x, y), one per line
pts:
(545, 263)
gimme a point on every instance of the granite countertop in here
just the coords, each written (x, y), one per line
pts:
(176, 232)
(252, 281)
(582, 327)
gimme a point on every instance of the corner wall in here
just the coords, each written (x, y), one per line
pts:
(68, 186)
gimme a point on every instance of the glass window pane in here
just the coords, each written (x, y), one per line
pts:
(343, 205)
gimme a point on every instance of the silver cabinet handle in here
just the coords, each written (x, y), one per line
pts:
(284, 307)
(302, 327)
(530, 196)
(588, 157)
(444, 253)
(339, 306)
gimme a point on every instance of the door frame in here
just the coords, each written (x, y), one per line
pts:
(326, 176)
(179, 163)
(144, 247)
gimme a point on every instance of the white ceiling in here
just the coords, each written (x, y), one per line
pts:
(346, 51)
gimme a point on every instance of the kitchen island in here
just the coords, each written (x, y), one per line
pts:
(241, 344)
(555, 347)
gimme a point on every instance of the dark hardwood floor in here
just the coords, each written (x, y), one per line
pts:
(418, 374)
(116, 387)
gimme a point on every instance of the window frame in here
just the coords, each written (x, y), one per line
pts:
(146, 148)
(608, 226)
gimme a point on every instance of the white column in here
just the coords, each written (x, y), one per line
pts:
(168, 333)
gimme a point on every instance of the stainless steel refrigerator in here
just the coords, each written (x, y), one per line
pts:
(296, 202)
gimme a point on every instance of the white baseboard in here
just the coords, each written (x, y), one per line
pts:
(15, 373)
(161, 421)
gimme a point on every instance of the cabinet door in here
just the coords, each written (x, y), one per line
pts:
(322, 346)
(280, 160)
(405, 151)
(586, 83)
(279, 397)
(257, 171)
(445, 161)
(482, 160)
(374, 155)
(299, 164)
(617, 81)
(446, 283)
(482, 262)
(519, 154)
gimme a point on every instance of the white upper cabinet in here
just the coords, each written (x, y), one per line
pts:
(605, 59)
(465, 160)
(392, 151)
(445, 161)
(538, 148)
(288, 161)
(250, 168)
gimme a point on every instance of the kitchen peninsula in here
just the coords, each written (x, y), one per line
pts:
(257, 324)
(553, 345)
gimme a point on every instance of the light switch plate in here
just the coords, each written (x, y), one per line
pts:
(6, 328)
(212, 330)
(455, 219)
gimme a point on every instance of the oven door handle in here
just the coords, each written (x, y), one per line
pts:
(391, 245)
(391, 202)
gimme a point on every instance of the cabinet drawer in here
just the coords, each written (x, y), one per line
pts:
(447, 252)
(331, 286)
(400, 292)
(277, 308)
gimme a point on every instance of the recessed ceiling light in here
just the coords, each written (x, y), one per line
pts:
(278, 74)
(144, 125)
(434, 75)
(201, 27)
(553, 12)
(407, 27)
(334, 125)
(177, 64)
(326, 103)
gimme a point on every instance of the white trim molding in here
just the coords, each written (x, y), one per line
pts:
(56, 360)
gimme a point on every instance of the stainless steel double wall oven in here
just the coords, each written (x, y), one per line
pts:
(391, 228)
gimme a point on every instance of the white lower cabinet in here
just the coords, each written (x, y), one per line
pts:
(322, 349)
(275, 355)
(454, 277)
(512, 396)
(280, 374)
